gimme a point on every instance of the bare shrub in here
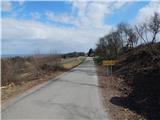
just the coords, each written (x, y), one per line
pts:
(20, 69)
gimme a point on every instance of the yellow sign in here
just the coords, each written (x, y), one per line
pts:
(109, 62)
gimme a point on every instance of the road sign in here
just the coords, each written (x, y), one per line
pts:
(109, 62)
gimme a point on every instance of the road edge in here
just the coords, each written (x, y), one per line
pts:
(28, 92)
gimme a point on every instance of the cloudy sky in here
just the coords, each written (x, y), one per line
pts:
(65, 26)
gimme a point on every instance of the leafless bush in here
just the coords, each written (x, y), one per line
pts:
(9, 71)
(18, 69)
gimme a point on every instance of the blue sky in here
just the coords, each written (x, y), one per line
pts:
(65, 26)
(127, 13)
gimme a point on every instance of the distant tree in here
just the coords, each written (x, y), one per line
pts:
(90, 52)
(113, 44)
(132, 37)
(101, 48)
(109, 45)
(126, 36)
(123, 29)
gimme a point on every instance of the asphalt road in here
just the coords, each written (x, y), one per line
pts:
(74, 95)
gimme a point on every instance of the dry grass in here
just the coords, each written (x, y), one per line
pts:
(19, 69)
(21, 74)
(12, 90)
(73, 62)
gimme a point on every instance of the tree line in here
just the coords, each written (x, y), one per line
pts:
(127, 36)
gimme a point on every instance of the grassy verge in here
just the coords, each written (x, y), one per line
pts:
(73, 62)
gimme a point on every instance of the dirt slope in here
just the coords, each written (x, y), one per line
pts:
(140, 68)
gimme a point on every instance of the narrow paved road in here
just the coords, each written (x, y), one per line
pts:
(74, 95)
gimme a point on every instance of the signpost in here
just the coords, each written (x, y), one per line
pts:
(109, 63)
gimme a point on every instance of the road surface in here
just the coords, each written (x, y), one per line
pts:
(74, 95)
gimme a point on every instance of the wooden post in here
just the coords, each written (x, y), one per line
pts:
(109, 64)
(111, 72)
(107, 71)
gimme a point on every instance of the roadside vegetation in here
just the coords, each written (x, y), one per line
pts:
(133, 90)
(21, 73)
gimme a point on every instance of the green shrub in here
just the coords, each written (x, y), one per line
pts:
(98, 59)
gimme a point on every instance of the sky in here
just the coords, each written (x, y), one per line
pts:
(65, 26)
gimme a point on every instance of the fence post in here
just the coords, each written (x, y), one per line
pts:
(107, 71)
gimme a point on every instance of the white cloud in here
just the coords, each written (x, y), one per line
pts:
(28, 35)
(145, 14)
(6, 6)
(32, 35)
(90, 14)
(35, 15)
(147, 11)
(62, 18)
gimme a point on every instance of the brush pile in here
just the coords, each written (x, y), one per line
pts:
(140, 68)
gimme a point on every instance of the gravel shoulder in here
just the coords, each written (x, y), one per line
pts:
(111, 89)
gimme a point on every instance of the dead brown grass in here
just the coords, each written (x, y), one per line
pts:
(19, 74)
(74, 62)
(12, 90)
(20, 69)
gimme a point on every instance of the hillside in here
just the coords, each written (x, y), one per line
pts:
(140, 69)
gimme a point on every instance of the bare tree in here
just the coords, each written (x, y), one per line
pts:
(116, 43)
(101, 47)
(142, 32)
(132, 37)
(122, 30)
(109, 45)
(154, 26)
(126, 34)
